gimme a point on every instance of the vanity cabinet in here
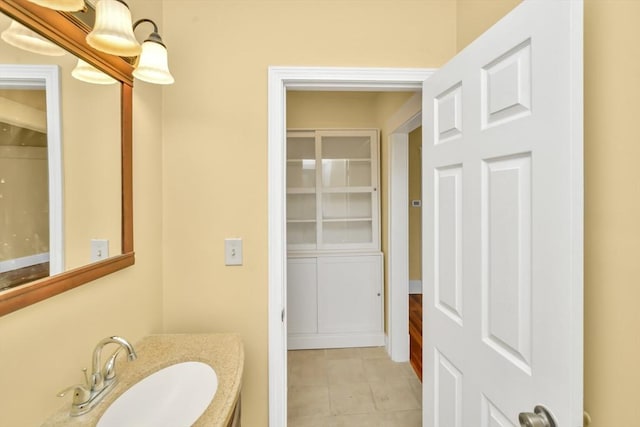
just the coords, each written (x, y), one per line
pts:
(235, 419)
(334, 272)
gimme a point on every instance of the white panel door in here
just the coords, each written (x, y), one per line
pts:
(502, 156)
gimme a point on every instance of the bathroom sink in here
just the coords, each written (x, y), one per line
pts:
(174, 396)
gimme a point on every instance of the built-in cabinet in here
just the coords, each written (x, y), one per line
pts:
(334, 274)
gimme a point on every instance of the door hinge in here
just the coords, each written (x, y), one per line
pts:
(282, 316)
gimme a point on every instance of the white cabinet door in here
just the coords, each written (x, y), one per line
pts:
(502, 156)
(302, 297)
(302, 228)
(349, 294)
(348, 186)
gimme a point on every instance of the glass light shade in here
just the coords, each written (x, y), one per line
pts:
(19, 36)
(113, 30)
(153, 65)
(90, 74)
(64, 5)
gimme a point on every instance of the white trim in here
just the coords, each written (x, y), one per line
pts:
(308, 78)
(398, 241)
(409, 116)
(47, 76)
(309, 341)
(415, 286)
(27, 261)
(277, 249)
(577, 205)
(405, 120)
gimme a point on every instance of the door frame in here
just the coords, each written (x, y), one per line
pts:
(280, 79)
(405, 120)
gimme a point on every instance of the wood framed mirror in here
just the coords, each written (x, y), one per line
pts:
(70, 33)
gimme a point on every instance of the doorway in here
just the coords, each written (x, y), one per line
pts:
(335, 334)
(280, 80)
(415, 250)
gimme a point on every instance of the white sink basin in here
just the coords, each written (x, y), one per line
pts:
(171, 397)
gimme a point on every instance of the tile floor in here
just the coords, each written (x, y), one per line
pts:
(352, 387)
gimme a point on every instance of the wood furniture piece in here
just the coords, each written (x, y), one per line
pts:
(236, 418)
(334, 273)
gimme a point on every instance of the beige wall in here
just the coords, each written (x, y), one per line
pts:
(92, 185)
(415, 214)
(612, 229)
(474, 17)
(612, 209)
(338, 110)
(45, 345)
(215, 141)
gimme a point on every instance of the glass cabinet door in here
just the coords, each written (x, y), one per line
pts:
(346, 161)
(348, 186)
(301, 162)
(301, 191)
(347, 218)
(301, 219)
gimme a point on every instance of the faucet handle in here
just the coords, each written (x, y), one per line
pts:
(109, 370)
(86, 377)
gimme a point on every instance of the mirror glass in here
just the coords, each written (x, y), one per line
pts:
(86, 194)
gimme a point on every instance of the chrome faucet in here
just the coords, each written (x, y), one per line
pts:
(86, 396)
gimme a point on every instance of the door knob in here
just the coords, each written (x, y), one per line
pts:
(539, 418)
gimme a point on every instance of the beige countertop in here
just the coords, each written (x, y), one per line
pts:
(223, 352)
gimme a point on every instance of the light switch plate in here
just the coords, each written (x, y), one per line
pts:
(233, 251)
(99, 249)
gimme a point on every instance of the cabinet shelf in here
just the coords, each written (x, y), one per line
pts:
(346, 219)
(334, 190)
(344, 159)
(301, 221)
(301, 190)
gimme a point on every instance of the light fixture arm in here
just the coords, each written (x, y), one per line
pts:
(154, 36)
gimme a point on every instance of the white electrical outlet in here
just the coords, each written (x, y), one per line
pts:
(233, 251)
(99, 249)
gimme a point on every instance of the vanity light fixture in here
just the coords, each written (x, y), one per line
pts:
(113, 32)
(152, 65)
(90, 74)
(19, 36)
(64, 5)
